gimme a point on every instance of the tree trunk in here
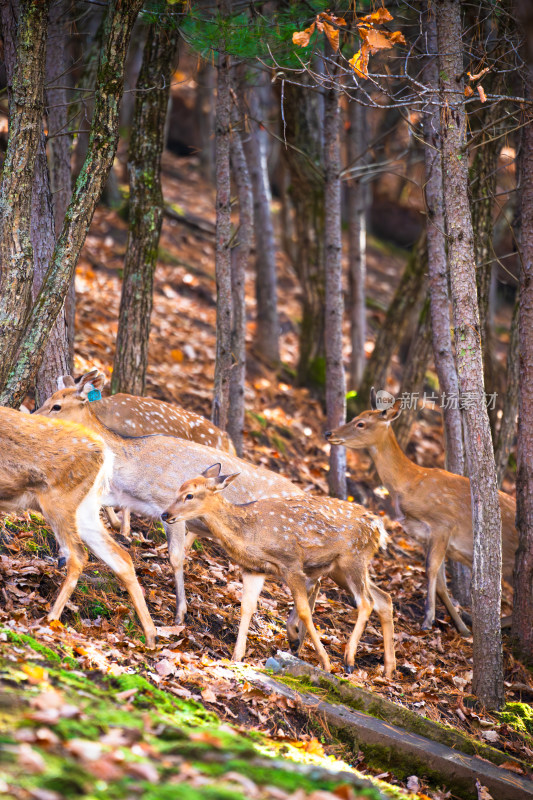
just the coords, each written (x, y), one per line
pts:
(414, 374)
(55, 360)
(266, 339)
(26, 109)
(240, 256)
(400, 309)
(443, 355)
(357, 196)
(223, 233)
(483, 189)
(102, 146)
(335, 380)
(55, 188)
(205, 117)
(522, 629)
(487, 682)
(145, 207)
(506, 433)
(303, 131)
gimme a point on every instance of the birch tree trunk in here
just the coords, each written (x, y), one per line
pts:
(26, 108)
(443, 354)
(522, 628)
(357, 197)
(266, 339)
(223, 234)
(19, 372)
(147, 143)
(240, 256)
(335, 379)
(487, 681)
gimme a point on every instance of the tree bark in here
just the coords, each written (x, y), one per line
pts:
(487, 681)
(240, 256)
(205, 117)
(335, 379)
(443, 354)
(266, 339)
(522, 628)
(357, 197)
(223, 234)
(304, 131)
(26, 107)
(59, 144)
(147, 143)
(507, 431)
(102, 146)
(414, 374)
(400, 309)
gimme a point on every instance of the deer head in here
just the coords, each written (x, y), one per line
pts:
(368, 428)
(195, 495)
(72, 399)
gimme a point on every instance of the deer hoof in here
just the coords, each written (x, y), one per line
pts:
(349, 668)
(294, 645)
(61, 562)
(151, 639)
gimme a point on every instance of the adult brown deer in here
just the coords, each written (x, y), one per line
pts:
(435, 504)
(297, 540)
(148, 471)
(63, 470)
(131, 416)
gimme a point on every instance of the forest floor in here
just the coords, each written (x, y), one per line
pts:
(284, 432)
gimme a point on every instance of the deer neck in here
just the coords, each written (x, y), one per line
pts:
(113, 440)
(227, 522)
(395, 470)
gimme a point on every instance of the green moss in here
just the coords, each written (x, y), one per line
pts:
(519, 717)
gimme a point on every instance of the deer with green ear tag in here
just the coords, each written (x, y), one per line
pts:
(297, 540)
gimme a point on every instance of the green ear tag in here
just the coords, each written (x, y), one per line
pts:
(94, 394)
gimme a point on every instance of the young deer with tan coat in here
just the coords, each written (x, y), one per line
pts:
(435, 504)
(148, 471)
(298, 540)
(63, 470)
(132, 416)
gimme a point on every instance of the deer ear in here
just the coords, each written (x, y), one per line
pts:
(213, 471)
(392, 413)
(224, 480)
(373, 399)
(93, 380)
(65, 382)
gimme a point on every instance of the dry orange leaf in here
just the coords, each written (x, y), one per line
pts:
(359, 62)
(34, 673)
(176, 355)
(482, 95)
(468, 91)
(56, 625)
(302, 38)
(378, 17)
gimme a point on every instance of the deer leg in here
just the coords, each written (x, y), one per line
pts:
(112, 517)
(383, 608)
(97, 539)
(252, 584)
(73, 551)
(177, 539)
(313, 588)
(357, 586)
(436, 551)
(125, 528)
(442, 592)
(297, 585)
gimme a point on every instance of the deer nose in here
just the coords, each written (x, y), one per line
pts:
(165, 515)
(327, 434)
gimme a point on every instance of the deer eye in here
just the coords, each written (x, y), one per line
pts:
(189, 496)
(360, 425)
(56, 407)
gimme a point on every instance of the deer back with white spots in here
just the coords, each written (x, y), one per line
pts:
(148, 471)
